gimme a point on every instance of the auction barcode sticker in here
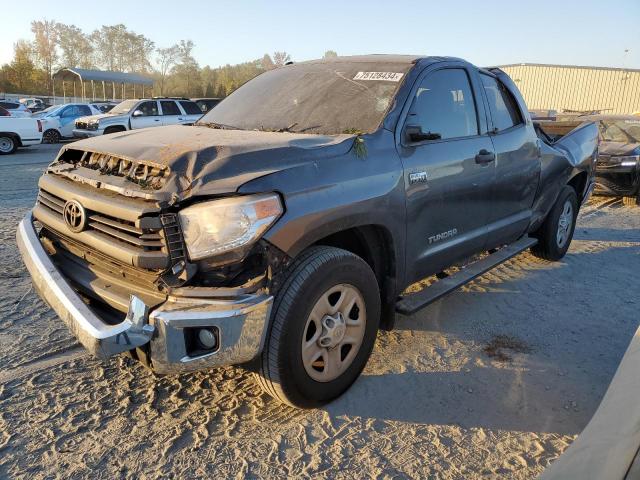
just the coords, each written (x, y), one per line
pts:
(385, 76)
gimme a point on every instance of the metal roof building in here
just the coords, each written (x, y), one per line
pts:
(95, 79)
(569, 87)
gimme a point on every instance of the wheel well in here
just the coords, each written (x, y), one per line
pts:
(374, 245)
(579, 183)
(114, 128)
(15, 136)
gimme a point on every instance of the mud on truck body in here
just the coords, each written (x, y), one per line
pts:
(281, 229)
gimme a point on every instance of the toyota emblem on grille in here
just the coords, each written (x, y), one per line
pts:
(74, 216)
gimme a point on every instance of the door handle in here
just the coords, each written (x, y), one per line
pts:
(485, 156)
(156, 120)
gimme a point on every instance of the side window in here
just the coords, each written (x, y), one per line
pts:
(169, 107)
(148, 109)
(68, 112)
(84, 110)
(504, 109)
(444, 105)
(191, 108)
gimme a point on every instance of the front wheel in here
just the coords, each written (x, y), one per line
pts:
(556, 233)
(324, 326)
(51, 136)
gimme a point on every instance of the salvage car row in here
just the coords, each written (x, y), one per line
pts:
(81, 120)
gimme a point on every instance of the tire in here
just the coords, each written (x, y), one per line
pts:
(631, 201)
(318, 277)
(8, 145)
(552, 243)
(51, 136)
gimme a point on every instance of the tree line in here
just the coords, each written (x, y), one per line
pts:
(174, 69)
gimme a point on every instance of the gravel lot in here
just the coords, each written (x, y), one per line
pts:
(495, 380)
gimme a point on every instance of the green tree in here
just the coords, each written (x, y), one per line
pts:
(330, 54)
(166, 59)
(44, 46)
(75, 46)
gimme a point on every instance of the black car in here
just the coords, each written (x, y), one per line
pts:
(618, 167)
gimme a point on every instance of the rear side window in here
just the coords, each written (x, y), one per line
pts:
(504, 109)
(84, 110)
(169, 108)
(191, 108)
(444, 105)
(9, 105)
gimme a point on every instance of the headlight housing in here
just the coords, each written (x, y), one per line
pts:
(626, 161)
(228, 224)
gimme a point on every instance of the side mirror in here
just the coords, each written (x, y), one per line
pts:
(414, 133)
(137, 113)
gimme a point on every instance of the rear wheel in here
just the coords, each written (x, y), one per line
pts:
(324, 326)
(7, 145)
(556, 233)
(51, 136)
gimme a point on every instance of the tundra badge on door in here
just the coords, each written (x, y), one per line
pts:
(417, 177)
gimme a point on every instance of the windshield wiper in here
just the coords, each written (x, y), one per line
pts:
(217, 126)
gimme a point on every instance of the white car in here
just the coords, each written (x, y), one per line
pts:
(16, 109)
(58, 121)
(19, 132)
(132, 114)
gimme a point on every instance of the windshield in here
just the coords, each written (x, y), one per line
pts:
(325, 98)
(51, 111)
(123, 107)
(625, 131)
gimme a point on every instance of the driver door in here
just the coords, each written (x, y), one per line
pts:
(449, 174)
(146, 115)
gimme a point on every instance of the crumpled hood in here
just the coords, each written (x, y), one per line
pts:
(206, 161)
(618, 148)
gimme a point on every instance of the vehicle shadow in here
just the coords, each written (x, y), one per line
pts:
(436, 368)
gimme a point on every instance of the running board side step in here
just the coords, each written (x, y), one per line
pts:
(410, 304)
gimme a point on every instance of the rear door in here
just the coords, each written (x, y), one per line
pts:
(192, 111)
(517, 163)
(145, 115)
(171, 114)
(449, 177)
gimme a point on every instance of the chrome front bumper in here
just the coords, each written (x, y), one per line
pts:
(241, 321)
(82, 133)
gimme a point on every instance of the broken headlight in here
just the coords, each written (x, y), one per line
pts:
(220, 226)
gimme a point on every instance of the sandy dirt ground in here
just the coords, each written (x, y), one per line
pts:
(494, 381)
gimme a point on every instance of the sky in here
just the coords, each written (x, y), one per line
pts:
(486, 33)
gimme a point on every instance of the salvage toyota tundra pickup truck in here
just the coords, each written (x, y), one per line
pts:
(281, 229)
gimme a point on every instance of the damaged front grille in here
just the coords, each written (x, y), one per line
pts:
(144, 173)
(140, 243)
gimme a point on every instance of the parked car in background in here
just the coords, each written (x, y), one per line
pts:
(133, 114)
(618, 167)
(34, 104)
(284, 225)
(18, 132)
(206, 104)
(58, 122)
(16, 109)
